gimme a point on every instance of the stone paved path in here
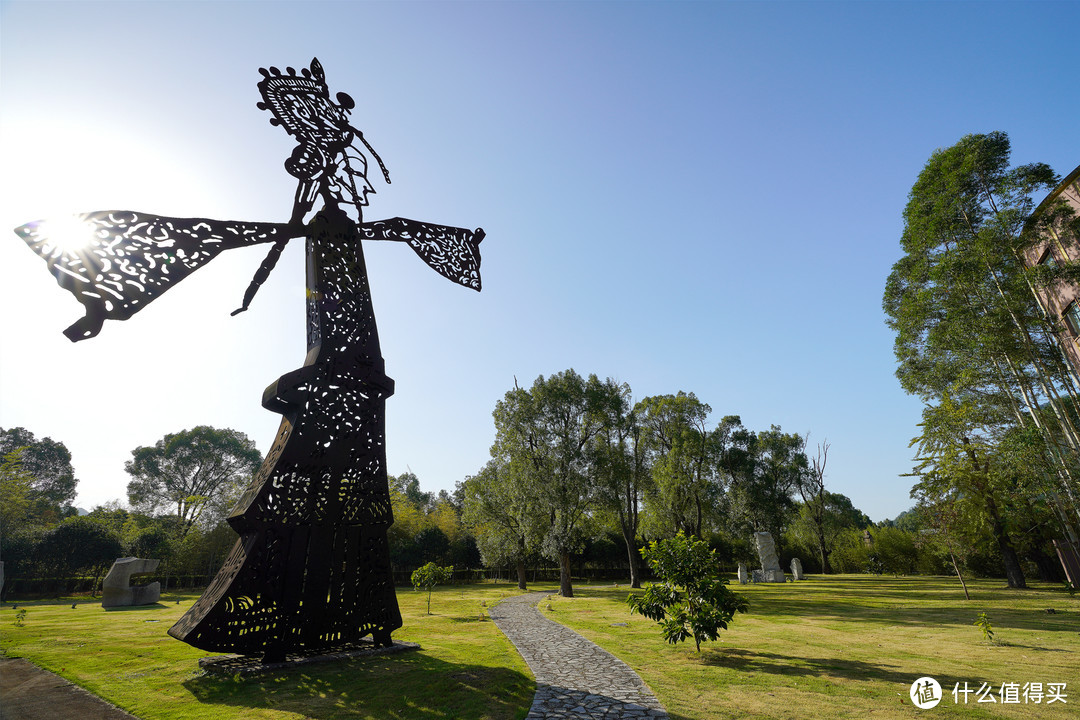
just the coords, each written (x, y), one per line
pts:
(575, 678)
(29, 693)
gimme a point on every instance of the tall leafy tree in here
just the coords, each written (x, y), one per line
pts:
(624, 475)
(15, 488)
(683, 454)
(765, 470)
(195, 473)
(48, 463)
(971, 339)
(543, 434)
(503, 512)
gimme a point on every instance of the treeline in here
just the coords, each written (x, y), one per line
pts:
(579, 470)
(180, 492)
(581, 476)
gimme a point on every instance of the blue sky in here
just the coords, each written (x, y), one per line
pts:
(698, 196)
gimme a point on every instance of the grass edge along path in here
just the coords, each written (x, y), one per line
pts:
(465, 668)
(849, 646)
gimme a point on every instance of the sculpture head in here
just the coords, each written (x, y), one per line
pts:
(326, 162)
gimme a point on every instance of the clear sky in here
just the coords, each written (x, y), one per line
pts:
(697, 196)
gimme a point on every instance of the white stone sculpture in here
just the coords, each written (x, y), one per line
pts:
(743, 577)
(116, 589)
(796, 569)
(770, 564)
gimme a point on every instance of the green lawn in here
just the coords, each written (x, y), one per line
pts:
(846, 646)
(465, 668)
(849, 646)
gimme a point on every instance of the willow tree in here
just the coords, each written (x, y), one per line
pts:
(544, 433)
(683, 455)
(501, 508)
(620, 462)
(971, 340)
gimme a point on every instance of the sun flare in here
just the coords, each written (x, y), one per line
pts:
(68, 234)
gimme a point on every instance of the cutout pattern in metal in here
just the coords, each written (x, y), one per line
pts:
(311, 569)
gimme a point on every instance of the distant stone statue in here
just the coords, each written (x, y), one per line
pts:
(743, 577)
(770, 564)
(796, 569)
(116, 589)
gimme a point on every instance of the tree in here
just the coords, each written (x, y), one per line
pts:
(429, 576)
(812, 489)
(971, 337)
(765, 469)
(409, 486)
(620, 459)
(683, 457)
(196, 472)
(15, 488)
(48, 462)
(692, 600)
(833, 515)
(958, 463)
(78, 544)
(504, 514)
(542, 435)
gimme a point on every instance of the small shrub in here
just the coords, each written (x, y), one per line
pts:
(692, 600)
(983, 623)
(429, 576)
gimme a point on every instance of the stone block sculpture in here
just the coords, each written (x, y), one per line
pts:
(796, 569)
(743, 577)
(770, 564)
(310, 572)
(117, 590)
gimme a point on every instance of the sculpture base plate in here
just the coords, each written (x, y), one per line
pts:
(244, 665)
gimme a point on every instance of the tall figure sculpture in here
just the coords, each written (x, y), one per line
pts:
(311, 569)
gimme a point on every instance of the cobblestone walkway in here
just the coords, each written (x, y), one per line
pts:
(575, 678)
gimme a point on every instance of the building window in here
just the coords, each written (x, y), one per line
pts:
(1072, 317)
(1048, 258)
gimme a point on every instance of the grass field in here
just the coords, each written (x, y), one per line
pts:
(849, 647)
(465, 668)
(845, 646)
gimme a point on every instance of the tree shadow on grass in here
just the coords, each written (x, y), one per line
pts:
(131, 608)
(776, 664)
(409, 686)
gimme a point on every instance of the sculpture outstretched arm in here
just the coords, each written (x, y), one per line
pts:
(452, 252)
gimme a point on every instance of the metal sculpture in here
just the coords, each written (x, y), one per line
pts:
(311, 569)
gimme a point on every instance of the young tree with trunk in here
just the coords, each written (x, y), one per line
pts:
(691, 600)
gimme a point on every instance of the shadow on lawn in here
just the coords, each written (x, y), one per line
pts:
(905, 601)
(776, 664)
(409, 686)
